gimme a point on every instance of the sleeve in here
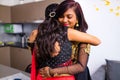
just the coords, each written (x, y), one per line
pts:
(79, 66)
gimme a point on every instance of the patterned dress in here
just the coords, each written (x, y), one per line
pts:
(64, 56)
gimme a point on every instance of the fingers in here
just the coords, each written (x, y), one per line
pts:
(44, 72)
(41, 71)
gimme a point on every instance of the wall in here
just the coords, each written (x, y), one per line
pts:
(103, 21)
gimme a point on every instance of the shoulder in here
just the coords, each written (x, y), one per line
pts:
(34, 32)
(33, 35)
(74, 35)
(71, 32)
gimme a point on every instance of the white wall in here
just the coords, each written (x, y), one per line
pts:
(105, 25)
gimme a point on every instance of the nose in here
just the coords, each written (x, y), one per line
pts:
(64, 19)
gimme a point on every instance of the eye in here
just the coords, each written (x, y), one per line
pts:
(69, 16)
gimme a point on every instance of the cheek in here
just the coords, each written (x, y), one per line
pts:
(60, 20)
(72, 24)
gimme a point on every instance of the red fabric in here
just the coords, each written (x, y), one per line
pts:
(67, 63)
(34, 75)
(56, 78)
(33, 69)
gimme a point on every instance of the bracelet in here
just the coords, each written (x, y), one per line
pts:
(68, 70)
(48, 72)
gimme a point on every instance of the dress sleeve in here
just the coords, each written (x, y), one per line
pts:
(77, 67)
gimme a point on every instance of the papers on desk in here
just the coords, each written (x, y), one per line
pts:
(18, 76)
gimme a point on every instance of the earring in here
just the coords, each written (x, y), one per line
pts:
(77, 25)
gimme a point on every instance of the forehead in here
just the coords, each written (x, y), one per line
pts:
(70, 11)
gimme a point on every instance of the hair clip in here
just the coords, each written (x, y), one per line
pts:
(52, 14)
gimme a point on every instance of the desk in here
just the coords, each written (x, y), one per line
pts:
(7, 71)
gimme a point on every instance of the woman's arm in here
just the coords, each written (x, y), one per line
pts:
(77, 67)
(31, 39)
(75, 35)
(72, 69)
(32, 36)
(80, 66)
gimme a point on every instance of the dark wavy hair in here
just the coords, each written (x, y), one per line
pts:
(49, 32)
(67, 4)
(50, 8)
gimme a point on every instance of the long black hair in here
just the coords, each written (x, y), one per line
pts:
(49, 32)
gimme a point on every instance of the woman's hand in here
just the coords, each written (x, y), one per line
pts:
(45, 72)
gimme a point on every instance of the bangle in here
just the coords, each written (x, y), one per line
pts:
(68, 70)
(51, 72)
(48, 72)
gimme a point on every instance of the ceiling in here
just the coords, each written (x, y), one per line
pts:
(15, 2)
